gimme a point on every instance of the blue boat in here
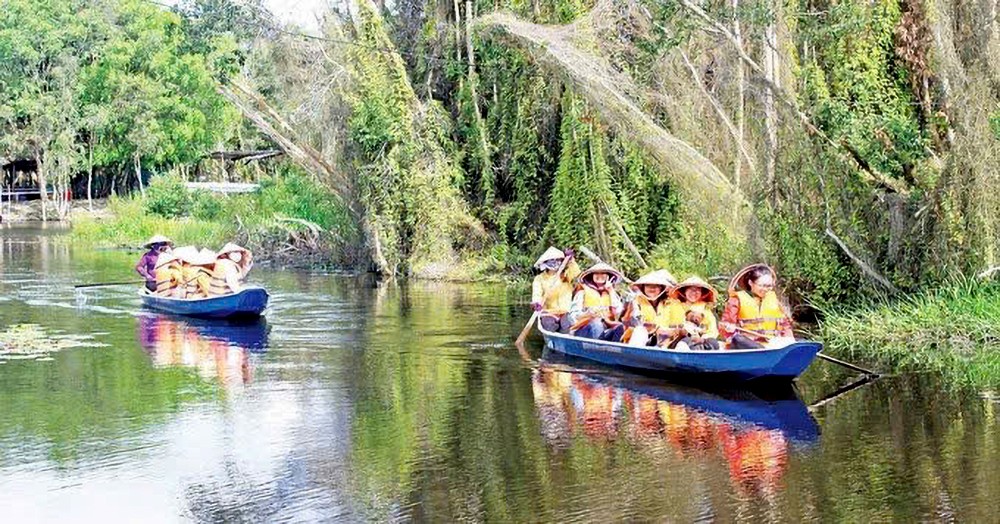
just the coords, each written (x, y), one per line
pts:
(779, 364)
(250, 302)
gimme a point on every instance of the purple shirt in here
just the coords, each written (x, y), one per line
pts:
(147, 264)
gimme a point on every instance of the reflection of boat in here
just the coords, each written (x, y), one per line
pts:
(248, 303)
(750, 432)
(777, 407)
(744, 364)
(215, 349)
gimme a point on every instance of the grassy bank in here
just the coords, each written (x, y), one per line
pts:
(290, 219)
(953, 330)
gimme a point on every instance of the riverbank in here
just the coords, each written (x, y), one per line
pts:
(953, 330)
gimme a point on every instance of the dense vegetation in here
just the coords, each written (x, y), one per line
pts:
(853, 145)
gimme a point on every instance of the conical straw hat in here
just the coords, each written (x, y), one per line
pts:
(232, 248)
(660, 277)
(164, 259)
(739, 280)
(550, 254)
(158, 239)
(185, 252)
(677, 293)
(601, 267)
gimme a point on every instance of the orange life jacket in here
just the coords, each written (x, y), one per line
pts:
(760, 315)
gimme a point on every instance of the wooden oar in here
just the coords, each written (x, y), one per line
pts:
(534, 316)
(128, 282)
(827, 358)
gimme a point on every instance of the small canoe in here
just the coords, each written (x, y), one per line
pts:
(784, 363)
(248, 303)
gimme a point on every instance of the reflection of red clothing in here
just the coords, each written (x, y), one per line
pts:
(757, 459)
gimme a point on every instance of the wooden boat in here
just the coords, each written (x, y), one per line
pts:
(250, 302)
(784, 363)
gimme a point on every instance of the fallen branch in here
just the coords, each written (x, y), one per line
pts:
(864, 266)
(740, 144)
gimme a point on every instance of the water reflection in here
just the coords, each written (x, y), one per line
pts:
(752, 434)
(217, 350)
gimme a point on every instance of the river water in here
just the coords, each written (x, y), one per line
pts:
(361, 402)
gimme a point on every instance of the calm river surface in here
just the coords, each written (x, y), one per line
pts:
(356, 402)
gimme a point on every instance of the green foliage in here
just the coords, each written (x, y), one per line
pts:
(952, 329)
(808, 262)
(407, 181)
(204, 206)
(112, 75)
(857, 86)
(168, 197)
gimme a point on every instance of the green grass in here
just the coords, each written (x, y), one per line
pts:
(953, 330)
(255, 220)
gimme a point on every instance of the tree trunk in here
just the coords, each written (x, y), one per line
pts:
(40, 167)
(484, 143)
(740, 98)
(138, 174)
(771, 66)
(90, 174)
(458, 32)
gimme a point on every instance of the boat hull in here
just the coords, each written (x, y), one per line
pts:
(779, 364)
(248, 303)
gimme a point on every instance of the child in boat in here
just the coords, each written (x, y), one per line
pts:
(753, 314)
(699, 330)
(552, 290)
(596, 305)
(647, 312)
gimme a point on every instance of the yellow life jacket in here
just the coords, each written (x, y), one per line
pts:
(595, 298)
(760, 315)
(676, 311)
(168, 276)
(217, 284)
(197, 280)
(657, 315)
(553, 291)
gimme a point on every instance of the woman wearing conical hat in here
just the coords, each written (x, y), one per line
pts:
(231, 266)
(552, 290)
(197, 272)
(699, 329)
(596, 305)
(753, 313)
(647, 312)
(147, 264)
(169, 275)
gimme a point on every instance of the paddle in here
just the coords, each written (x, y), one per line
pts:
(534, 316)
(127, 282)
(827, 358)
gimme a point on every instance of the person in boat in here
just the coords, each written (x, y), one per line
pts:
(647, 312)
(596, 305)
(753, 314)
(197, 273)
(147, 264)
(699, 329)
(169, 275)
(552, 290)
(232, 264)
